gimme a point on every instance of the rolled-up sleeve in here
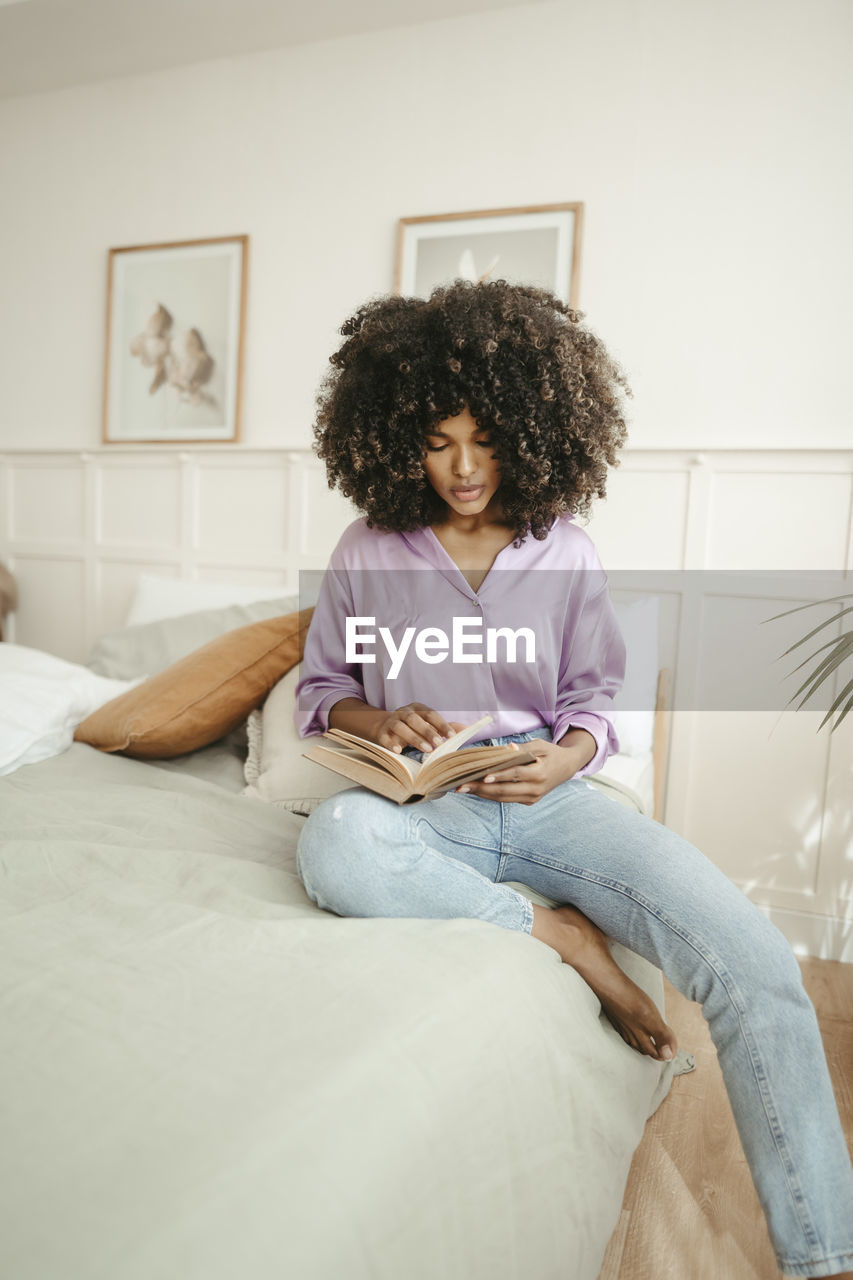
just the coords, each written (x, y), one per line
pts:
(592, 669)
(326, 678)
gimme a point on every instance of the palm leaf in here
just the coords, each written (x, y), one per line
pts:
(810, 604)
(828, 622)
(846, 692)
(830, 644)
(841, 649)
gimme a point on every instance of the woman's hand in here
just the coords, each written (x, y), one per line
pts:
(527, 783)
(414, 725)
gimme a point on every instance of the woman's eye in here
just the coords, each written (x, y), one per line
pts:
(438, 448)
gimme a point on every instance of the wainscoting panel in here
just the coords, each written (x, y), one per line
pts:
(762, 792)
(761, 520)
(51, 602)
(47, 503)
(138, 507)
(319, 515)
(652, 505)
(241, 511)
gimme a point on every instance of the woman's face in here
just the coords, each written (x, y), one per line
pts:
(460, 466)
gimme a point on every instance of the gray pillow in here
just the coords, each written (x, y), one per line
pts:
(153, 646)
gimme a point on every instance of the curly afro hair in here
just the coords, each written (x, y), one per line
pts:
(542, 385)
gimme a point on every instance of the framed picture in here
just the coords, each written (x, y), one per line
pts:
(176, 320)
(539, 244)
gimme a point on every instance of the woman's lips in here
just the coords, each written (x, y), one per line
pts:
(468, 493)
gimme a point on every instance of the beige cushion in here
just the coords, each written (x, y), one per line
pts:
(276, 770)
(203, 696)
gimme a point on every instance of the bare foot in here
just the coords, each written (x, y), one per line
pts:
(581, 944)
(837, 1275)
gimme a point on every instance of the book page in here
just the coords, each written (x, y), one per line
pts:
(352, 742)
(412, 767)
(452, 744)
(347, 744)
(465, 766)
(357, 770)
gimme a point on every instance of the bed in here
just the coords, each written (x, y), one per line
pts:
(203, 1075)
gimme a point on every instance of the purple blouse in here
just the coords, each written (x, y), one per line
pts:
(536, 645)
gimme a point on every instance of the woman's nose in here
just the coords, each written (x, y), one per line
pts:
(463, 462)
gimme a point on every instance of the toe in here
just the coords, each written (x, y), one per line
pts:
(665, 1043)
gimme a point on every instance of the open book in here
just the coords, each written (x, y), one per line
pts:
(401, 778)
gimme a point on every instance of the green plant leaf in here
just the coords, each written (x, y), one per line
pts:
(846, 692)
(810, 604)
(815, 630)
(830, 644)
(840, 650)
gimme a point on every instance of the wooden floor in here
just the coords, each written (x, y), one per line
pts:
(690, 1209)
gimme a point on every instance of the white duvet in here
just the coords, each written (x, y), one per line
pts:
(42, 700)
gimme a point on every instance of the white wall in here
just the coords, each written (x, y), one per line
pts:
(707, 138)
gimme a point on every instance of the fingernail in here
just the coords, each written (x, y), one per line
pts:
(425, 746)
(666, 1052)
(462, 790)
(398, 748)
(490, 778)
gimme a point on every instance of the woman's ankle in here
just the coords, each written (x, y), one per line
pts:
(565, 935)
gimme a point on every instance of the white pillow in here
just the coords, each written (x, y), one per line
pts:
(153, 646)
(157, 597)
(276, 770)
(634, 705)
(42, 700)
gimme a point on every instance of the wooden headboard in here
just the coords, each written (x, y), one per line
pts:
(660, 743)
(8, 595)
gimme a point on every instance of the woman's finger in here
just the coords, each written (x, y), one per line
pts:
(508, 796)
(438, 722)
(396, 739)
(409, 728)
(428, 735)
(514, 773)
(401, 735)
(502, 790)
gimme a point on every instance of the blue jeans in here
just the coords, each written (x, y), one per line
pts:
(646, 887)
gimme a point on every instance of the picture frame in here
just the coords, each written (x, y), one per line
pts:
(534, 244)
(175, 339)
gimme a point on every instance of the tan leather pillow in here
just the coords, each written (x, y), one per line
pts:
(201, 698)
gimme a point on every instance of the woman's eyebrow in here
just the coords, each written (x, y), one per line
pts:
(434, 431)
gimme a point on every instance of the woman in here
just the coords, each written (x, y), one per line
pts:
(470, 429)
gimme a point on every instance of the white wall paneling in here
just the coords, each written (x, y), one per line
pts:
(759, 791)
(247, 516)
